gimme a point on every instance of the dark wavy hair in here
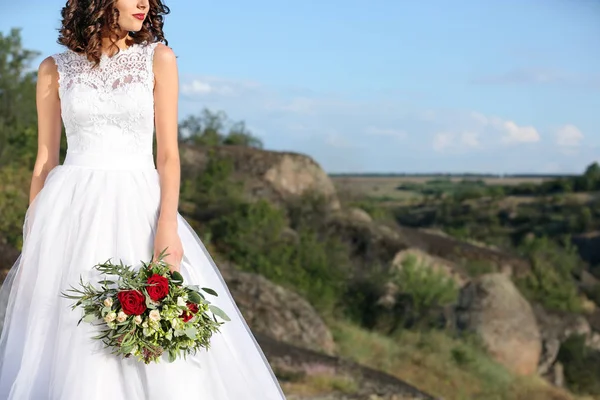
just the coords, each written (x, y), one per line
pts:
(85, 22)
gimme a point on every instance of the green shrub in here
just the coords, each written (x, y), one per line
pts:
(550, 280)
(14, 199)
(422, 292)
(477, 268)
(426, 286)
(255, 236)
(581, 366)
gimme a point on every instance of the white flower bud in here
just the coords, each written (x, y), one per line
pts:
(121, 317)
(154, 315)
(110, 317)
(108, 302)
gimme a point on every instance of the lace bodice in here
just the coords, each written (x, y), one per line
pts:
(109, 108)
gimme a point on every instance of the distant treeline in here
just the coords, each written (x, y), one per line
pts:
(587, 182)
(446, 175)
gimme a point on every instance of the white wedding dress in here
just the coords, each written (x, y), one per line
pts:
(102, 203)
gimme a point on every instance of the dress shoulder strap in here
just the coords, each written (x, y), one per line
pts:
(149, 50)
(69, 65)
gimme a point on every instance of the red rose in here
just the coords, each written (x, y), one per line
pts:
(132, 302)
(159, 287)
(186, 316)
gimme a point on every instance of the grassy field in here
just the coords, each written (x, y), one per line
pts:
(385, 188)
(441, 365)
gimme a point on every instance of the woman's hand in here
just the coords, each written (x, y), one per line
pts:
(167, 237)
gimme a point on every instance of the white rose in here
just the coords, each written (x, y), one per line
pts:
(154, 315)
(121, 317)
(108, 302)
(176, 323)
(110, 317)
(138, 319)
(181, 301)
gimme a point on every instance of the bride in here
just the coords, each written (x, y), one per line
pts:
(113, 85)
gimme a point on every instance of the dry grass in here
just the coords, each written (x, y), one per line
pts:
(440, 365)
(384, 187)
(357, 187)
(313, 385)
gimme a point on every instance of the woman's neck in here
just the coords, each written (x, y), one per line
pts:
(122, 42)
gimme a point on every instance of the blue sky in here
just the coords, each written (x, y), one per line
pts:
(501, 86)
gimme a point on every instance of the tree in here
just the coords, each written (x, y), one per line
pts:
(214, 128)
(17, 98)
(593, 171)
(592, 176)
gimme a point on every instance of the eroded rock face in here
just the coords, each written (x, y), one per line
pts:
(294, 364)
(493, 308)
(556, 327)
(277, 176)
(278, 312)
(588, 245)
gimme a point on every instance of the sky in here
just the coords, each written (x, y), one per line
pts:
(388, 86)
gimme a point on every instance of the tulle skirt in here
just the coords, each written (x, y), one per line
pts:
(93, 208)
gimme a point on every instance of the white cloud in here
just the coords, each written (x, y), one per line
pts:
(513, 133)
(568, 136)
(479, 118)
(397, 134)
(336, 140)
(442, 141)
(542, 76)
(204, 86)
(470, 139)
(197, 87)
(455, 142)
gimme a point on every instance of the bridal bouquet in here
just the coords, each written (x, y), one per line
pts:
(147, 312)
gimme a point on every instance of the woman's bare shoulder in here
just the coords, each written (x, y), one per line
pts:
(164, 54)
(48, 66)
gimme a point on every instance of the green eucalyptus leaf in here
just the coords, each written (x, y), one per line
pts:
(177, 277)
(89, 318)
(149, 303)
(217, 311)
(191, 332)
(194, 297)
(210, 291)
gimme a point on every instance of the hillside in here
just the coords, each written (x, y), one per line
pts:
(426, 289)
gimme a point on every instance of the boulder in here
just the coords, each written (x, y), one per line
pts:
(372, 243)
(277, 176)
(358, 214)
(278, 312)
(461, 252)
(492, 308)
(298, 365)
(555, 327)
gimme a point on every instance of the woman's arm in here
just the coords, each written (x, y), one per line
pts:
(49, 125)
(166, 89)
